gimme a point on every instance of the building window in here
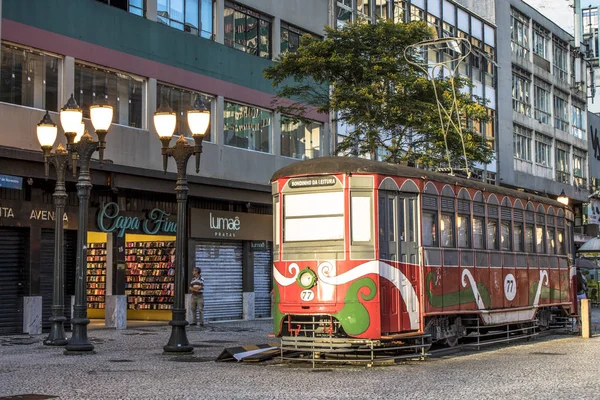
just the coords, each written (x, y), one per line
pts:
(299, 139)
(561, 112)
(543, 150)
(562, 163)
(519, 33)
(136, 7)
(542, 102)
(522, 143)
(193, 16)
(540, 41)
(181, 100)
(578, 122)
(390, 9)
(247, 127)
(29, 78)
(579, 177)
(343, 13)
(416, 14)
(247, 30)
(487, 62)
(122, 91)
(590, 20)
(560, 60)
(363, 10)
(290, 38)
(520, 94)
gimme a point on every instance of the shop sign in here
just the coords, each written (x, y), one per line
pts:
(258, 245)
(214, 224)
(155, 222)
(45, 215)
(11, 182)
(312, 182)
(594, 212)
(6, 212)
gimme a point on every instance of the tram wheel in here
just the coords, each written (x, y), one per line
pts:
(451, 341)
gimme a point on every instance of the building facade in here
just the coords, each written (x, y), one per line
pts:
(137, 54)
(542, 113)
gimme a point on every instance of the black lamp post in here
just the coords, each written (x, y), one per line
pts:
(46, 133)
(82, 150)
(164, 121)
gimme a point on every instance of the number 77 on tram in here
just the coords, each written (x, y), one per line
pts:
(371, 250)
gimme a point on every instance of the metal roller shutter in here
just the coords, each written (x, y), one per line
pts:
(47, 274)
(262, 283)
(13, 249)
(221, 264)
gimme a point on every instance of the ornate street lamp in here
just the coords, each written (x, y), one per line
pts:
(46, 134)
(83, 149)
(164, 121)
(562, 198)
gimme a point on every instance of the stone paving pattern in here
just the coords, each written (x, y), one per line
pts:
(129, 364)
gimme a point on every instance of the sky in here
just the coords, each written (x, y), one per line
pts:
(560, 11)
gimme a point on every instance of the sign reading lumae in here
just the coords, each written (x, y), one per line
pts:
(156, 221)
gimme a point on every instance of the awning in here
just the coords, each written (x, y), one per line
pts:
(586, 263)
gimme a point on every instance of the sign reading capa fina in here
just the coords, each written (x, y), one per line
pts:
(155, 222)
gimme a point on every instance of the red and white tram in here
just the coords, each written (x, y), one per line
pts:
(370, 250)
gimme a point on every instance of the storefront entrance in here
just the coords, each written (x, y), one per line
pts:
(14, 245)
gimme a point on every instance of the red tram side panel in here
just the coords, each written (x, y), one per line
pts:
(348, 283)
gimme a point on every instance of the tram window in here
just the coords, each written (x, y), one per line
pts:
(539, 239)
(561, 242)
(463, 231)
(361, 217)
(429, 229)
(529, 239)
(505, 235)
(411, 220)
(447, 230)
(313, 216)
(478, 233)
(492, 234)
(518, 236)
(551, 242)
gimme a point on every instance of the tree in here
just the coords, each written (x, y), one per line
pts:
(360, 74)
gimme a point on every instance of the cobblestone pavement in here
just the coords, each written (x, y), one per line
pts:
(129, 364)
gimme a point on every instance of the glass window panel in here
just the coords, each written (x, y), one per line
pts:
(429, 229)
(300, 139)
(478, 233)
(249, 31)
(206, 17)
(361, 218)
(447, 230)
(505, 235)
(529, 239)
(518, 236)
(29, 78)
(122, 91)
(539, 239)
(181, 100)
(463, 226)
(247, 127)
(551, 241)
(313, 204)
(492, 234)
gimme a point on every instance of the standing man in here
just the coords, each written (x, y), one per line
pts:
(197, 289)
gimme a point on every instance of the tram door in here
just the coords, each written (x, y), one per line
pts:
(398, 233)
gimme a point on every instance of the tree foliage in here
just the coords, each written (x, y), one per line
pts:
(359, 73)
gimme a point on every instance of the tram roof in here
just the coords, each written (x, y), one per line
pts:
(356, 165)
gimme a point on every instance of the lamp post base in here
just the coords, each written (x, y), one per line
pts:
(79, 344)
(57, 336)
(178, 342)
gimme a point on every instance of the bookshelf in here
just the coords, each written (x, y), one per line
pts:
(96, 275)
(150, 275)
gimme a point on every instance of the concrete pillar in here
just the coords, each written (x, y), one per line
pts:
(276, 37)
(151, 10)
(219, 121)
(32, 315)
(151, 89)
(276, 137)
(219, 24)
(68, 80)
(115, 313)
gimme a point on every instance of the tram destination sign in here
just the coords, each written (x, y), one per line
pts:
(296, 183)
